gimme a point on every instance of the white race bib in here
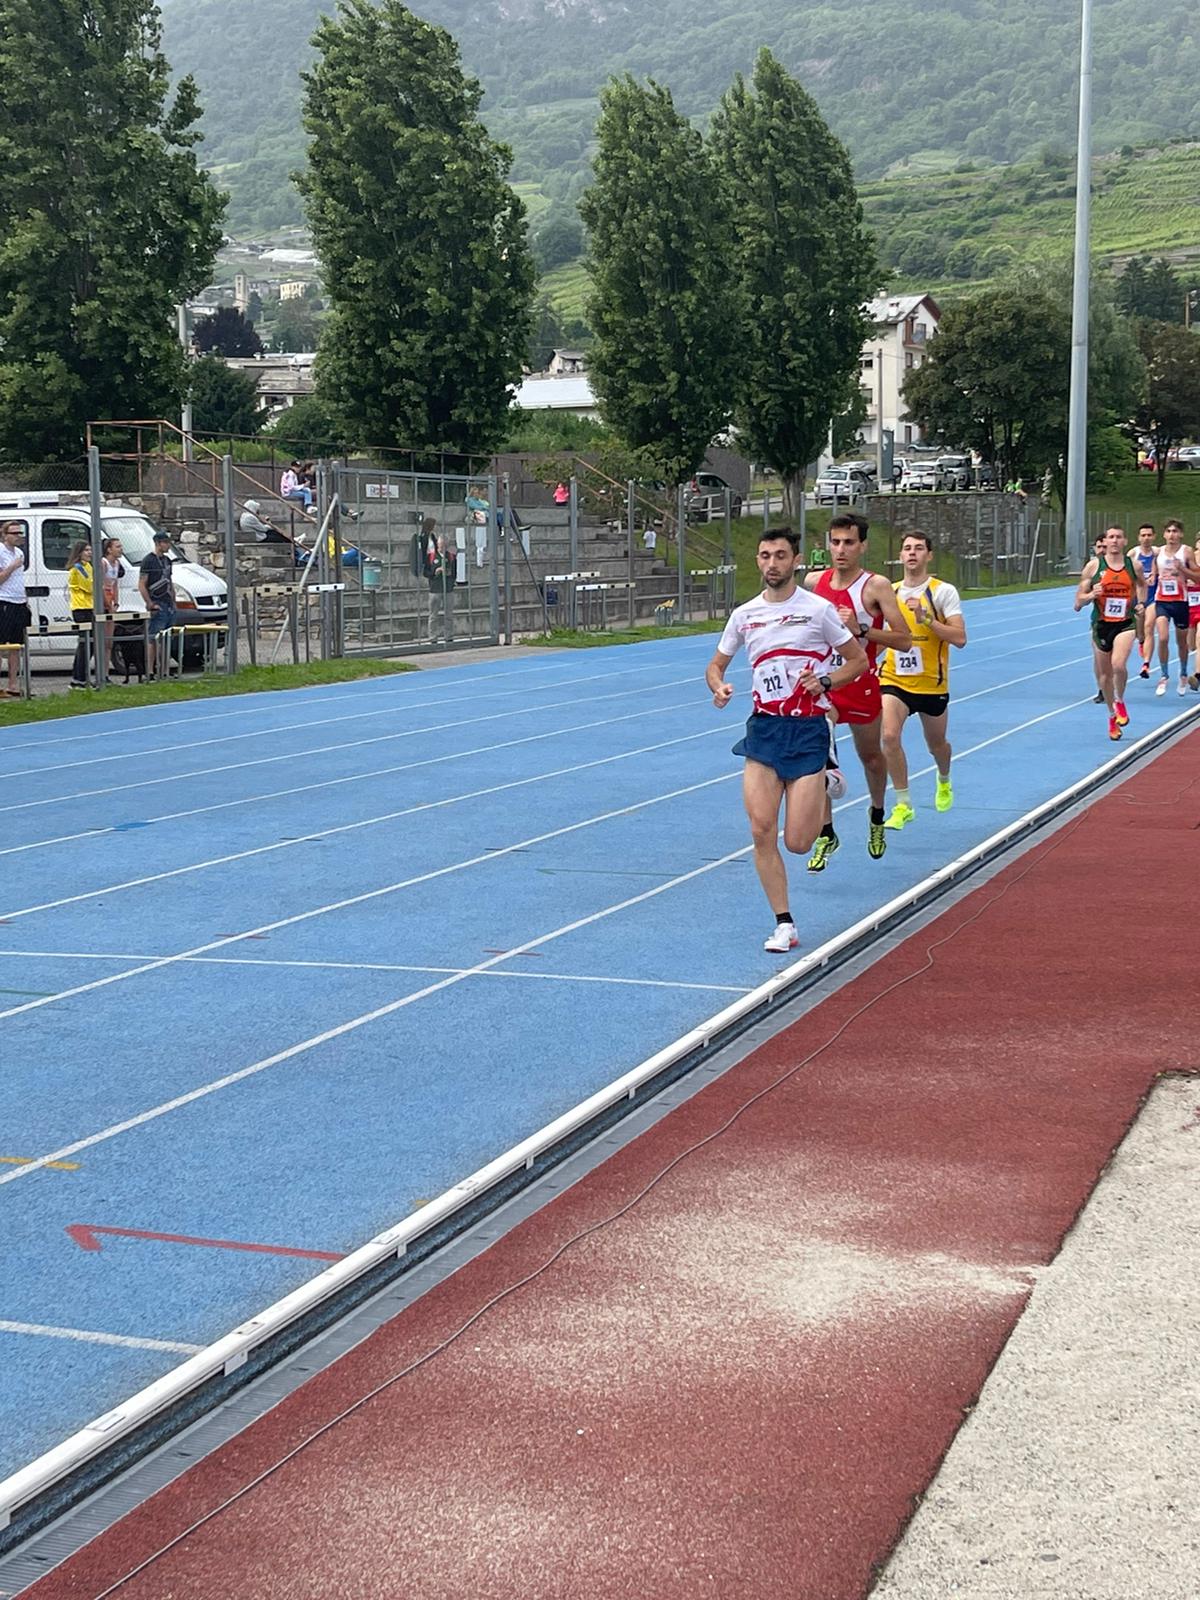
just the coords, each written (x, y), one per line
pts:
(908, 663)
(1116, 608)
(1169, 588)
(1192, 596)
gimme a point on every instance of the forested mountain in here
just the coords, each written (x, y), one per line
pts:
(981, 80)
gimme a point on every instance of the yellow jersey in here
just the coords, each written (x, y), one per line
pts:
(924, 668)
(79, 586)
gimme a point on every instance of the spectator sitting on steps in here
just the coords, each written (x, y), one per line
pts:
(251, 523)
(293, 489)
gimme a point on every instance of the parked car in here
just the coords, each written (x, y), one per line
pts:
(706, 497)
(953, 472)
(985, 476)
(918, 475)
(1188, 458)
(842, 485)
(50, 527)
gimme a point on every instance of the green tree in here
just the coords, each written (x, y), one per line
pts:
(995, 378)
(223, 399)
(1131, 287)
(228, 333)
(848, 423)
(106, 221)
(295, 327)
(1171, 409)
(1116, 370)
(802, 259)
(546, 335)
(309, 428)
(422, 242)
(1163, 297)
(663, 308)
(557, 238)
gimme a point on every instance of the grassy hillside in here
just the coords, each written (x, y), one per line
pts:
(986, 80)
(944, 229)
(948, 231)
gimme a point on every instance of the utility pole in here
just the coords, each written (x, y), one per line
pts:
(186, 414)
(1080, 307)
(879, 417)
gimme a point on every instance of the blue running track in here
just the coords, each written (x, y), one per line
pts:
(316, 895)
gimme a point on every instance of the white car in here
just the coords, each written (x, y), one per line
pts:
(918, 475)
(1187, 458)
(841, 485)
(50, 526)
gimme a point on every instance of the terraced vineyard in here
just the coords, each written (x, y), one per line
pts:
(945, 231)
(949, 231)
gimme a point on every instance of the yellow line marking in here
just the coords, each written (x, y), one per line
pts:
(23, 1161)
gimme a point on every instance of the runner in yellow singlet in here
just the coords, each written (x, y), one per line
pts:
(918, 679)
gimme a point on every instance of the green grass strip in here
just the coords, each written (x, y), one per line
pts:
(250, 680)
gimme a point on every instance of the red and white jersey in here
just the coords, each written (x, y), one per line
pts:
(1170, 571)
(851, 599)
(785, 639)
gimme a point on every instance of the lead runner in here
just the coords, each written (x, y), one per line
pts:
(790, 637)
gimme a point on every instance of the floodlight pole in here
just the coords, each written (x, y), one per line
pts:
(1077, 426)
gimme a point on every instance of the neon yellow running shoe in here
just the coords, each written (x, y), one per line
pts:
(825, 846)
(901, 816)
(944, 798)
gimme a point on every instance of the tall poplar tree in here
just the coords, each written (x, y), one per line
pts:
(804, 262)
(106, 221)
(664, 305)
(422, 242)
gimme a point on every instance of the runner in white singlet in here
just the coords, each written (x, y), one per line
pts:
(790, 637)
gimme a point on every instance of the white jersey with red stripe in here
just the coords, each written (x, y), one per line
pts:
(1170, 571)
(785, 639)
(851, 599)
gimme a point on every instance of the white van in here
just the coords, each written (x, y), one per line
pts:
(51, 526)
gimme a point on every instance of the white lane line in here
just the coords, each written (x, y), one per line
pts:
(351, 827)
(377, 966)
(354, 777)
(369, 894)
(267, 699)
(410, 733)
(309, 722)
(461, 976)
(535, 709)
(404, 703)
(88, 1336)
(392, 816)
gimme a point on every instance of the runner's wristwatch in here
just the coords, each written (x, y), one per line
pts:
(826, 682)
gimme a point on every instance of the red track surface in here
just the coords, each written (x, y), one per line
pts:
(740, 1388)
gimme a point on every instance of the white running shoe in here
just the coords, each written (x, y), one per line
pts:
(1182, 689)
(835, 783)
(783, 939)
(1162, 686)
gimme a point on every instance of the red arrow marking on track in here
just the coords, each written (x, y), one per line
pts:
(84, 1235)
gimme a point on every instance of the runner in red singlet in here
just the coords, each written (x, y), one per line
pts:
(866, 603)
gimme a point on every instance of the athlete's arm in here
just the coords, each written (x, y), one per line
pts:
(854, 664)
(714, 677)
(811, 579)
(895, 634)
(952, 629)
(1085, 594)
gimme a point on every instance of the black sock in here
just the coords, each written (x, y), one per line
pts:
(827, 831)
(876, 813)
(782, 916)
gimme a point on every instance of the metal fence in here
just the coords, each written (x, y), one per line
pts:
(980, 541)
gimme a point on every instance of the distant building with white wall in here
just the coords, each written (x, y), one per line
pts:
(902, 327)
